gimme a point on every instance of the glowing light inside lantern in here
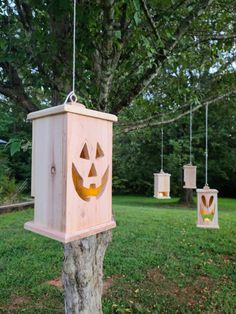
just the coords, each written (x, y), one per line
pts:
(86, 193)
(207, 208)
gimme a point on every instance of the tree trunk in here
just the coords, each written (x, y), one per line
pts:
(82, 274)
(186, 197)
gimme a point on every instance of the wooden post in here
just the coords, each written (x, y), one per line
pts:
(189, 197)
(186, 197)
(82, 274)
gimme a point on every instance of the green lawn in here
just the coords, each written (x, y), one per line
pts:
(158, 262)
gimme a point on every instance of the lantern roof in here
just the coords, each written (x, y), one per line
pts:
(73, 107)
(206, 189)
(162, 173)
(189, 166)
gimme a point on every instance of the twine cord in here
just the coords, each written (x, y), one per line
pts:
(162, 139)
(190, 134)
(206, 152)
(72, 96)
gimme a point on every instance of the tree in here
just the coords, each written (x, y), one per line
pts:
(122, 47)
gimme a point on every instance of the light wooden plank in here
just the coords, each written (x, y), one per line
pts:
(207, 202)
(73, 108)
(190, 177)
(67, 237)
(16, 206)
(80, 213)
(162, 185)
(70, 203)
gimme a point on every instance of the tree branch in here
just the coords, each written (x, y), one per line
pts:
(25, 14)
(107, 50)
(146, 123)
(202, 38)
(152, 72)
(14, 88)
(150, 19)
(18, 97)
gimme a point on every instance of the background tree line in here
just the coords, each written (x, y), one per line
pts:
(144, 61)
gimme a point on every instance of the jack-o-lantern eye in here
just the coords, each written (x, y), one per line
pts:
(84, 153)
(211, 200)
(204, 200)
(99, 151)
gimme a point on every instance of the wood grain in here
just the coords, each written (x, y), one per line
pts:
(207, 201)
(162, 185)
(59, 136)
(190, 177)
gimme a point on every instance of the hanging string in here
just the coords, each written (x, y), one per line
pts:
(72, 96)
(162, 138)
(190, 134)
(206, 152)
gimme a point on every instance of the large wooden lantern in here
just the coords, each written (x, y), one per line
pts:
(71, 172)
(162, 185)
(207, 203)
(190, 176)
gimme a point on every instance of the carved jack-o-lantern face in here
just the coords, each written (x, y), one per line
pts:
(207, 208)
(93, 190)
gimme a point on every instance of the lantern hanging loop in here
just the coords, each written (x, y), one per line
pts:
(206, 151)
(72, 96)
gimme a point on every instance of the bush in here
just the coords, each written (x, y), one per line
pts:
(8, 190)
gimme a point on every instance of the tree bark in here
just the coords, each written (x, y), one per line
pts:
(152, 121)
(186, 197)
(82, 274)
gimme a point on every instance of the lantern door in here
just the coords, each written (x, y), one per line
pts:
(207, 202)
(89, 173)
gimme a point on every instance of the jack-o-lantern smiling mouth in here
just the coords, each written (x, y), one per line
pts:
(93, 190)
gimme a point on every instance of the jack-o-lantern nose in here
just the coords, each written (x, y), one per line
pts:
(92, 171)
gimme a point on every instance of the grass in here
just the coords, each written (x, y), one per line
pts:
(158, 262)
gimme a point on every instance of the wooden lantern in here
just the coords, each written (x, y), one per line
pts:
(162, 185)
(71, 172)
(190, 176)
(207, 204)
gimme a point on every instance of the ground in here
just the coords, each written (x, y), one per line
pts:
(158, 262)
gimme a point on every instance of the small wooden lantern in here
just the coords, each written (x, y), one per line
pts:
(190, 176)
(71, 172)
(207, 204)
(162, 185)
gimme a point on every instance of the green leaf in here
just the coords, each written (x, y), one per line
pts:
(137, 18)
(117, 34)
(137, 5)
(15, 147)
(160, 43)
